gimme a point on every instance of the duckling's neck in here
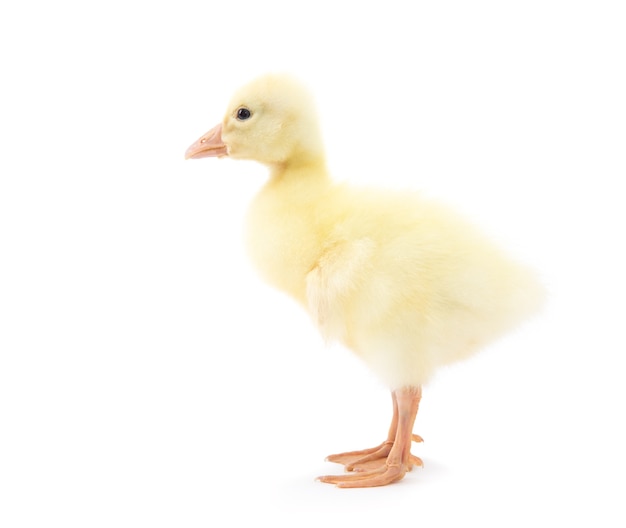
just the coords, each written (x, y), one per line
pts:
(301, 170)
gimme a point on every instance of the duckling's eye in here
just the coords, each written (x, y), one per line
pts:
(243, 114)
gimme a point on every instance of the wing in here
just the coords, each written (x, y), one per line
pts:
(329, 284)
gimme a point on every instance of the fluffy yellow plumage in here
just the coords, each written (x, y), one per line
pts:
(403, 282)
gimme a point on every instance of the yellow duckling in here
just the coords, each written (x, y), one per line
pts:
(403, 282)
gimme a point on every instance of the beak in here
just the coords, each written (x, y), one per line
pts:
(210, 144)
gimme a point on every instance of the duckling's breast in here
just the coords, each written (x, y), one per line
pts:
(283, 242)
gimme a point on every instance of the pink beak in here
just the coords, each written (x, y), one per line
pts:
(210, 144)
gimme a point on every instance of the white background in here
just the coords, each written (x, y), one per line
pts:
(147, 378)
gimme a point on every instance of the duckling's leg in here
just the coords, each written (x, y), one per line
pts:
(366, 459)
(398, 459)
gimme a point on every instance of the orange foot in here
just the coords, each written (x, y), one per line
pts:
(367, 459)
(388, 462)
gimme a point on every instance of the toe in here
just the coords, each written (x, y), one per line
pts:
(367, 479)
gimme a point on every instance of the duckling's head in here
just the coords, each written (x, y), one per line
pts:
(271, 120)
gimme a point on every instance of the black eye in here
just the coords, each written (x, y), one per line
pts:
(243, 114)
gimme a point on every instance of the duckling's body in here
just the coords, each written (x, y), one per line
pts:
(403, 282)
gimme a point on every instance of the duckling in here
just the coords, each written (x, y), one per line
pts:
(403, 282)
